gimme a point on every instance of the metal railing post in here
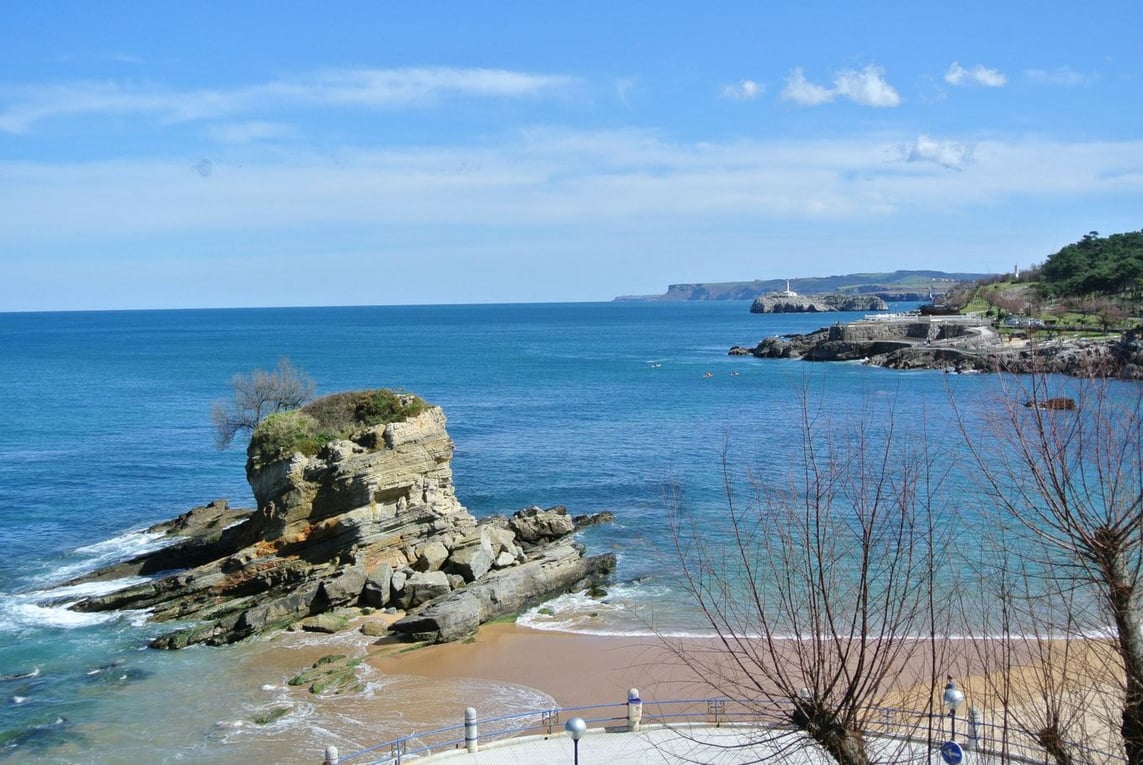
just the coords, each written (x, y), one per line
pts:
(975, 724)
(550, 719)
(471, 732)
(634, 709)
(330, 756)
(715, 708)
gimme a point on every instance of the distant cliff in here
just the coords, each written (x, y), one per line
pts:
(894, 286)
(368, 519)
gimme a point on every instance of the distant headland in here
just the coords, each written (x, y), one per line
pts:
(894, 286)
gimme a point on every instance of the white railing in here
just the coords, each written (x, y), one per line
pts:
(990, 739)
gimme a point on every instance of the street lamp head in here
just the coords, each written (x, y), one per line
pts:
(953, 697)
(575, 727)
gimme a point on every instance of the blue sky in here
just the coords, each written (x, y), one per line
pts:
(208, 154)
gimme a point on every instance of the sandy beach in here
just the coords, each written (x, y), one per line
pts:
(574, 669)
(508, 669)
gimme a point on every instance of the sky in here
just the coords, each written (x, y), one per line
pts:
(219, 154)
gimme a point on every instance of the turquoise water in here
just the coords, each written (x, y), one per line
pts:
(105, 429)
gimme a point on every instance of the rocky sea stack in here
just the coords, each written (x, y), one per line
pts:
(793, 303)
(355, 509)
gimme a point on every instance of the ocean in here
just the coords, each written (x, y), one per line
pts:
(624, 407)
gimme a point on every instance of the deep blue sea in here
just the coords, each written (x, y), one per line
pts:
(105, 429)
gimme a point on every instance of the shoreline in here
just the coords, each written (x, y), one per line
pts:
(510, 669)
(513, 671)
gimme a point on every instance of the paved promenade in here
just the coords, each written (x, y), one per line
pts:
(660, 745)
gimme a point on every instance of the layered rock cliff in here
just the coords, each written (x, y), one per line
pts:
(369, 519)
(779, 303)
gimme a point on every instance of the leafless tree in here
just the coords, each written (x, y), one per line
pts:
(1040, 675)
(1068, 484)
(257, 395)
(821, 591)
(1110, 313)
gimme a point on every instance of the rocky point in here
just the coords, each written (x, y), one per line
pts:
(369, 520)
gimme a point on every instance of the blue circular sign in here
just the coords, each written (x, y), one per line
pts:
(952, 753)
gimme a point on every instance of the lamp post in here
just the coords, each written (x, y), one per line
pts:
(953, 698)
(576, 728)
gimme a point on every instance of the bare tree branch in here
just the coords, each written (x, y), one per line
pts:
(828, 587)
(257, 395)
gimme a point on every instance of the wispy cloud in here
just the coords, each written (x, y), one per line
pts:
(866, 87)
(246, 132)
(978, 75)
(746, 90)
(951, 154)
(624, 87)
(1063, 75)
(548, 178)
(361, 88)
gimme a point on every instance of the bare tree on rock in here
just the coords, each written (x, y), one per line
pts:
(257, 395)
(818, 590)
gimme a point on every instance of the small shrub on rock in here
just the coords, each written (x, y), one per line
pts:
(339, 416)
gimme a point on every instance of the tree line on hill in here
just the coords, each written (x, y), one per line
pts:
(1095, 265)
(1100, 277)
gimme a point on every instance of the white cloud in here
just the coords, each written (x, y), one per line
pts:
(541, 179)
(747, 90)
(866, 87)
(978, 75)
(246, 132)
(90, 234)
(801, 91)
(396, 87)
(950, 154)
(367, 88)
(1063, 75)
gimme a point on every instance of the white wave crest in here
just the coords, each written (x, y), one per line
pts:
(74, 592)
(26, 612)
(109, 551)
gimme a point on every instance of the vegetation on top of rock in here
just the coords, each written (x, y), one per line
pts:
(339, 416)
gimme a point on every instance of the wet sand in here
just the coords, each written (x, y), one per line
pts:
(575, 669)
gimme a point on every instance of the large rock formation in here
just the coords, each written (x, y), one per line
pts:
(370, 519)
(780, 303)
(959, 344)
